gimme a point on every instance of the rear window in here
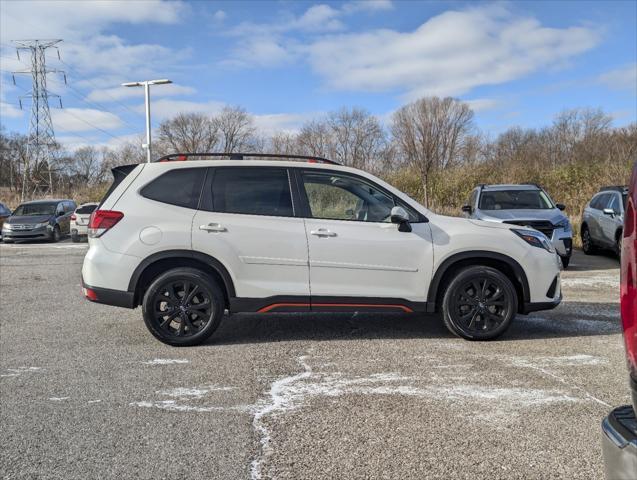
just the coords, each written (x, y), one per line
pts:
(252, 191)
(180, 187)
(86, 209)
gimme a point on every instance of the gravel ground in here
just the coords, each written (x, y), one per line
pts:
(87, 392)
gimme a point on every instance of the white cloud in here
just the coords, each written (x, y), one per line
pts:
(368, 5)
(624, 78)
(120, 93)
(318, 17)
(84, 119)
(269, 124)
(449, 54)
(219, 16)
(482, 104)
(167, 108)
(72, 19)
(8, 110)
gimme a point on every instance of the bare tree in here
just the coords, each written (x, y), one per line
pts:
(188, 133)
(314, 139)
(236, 128)
(357, 137)
(430, 133)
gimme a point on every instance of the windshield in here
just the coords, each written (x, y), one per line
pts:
(35, 209)
(515, 200)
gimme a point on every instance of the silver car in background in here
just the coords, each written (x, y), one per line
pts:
(525, 205)
(603, 220)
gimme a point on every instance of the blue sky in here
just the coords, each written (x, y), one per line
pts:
(286, 62)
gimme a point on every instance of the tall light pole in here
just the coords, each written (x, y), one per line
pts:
(146, 84)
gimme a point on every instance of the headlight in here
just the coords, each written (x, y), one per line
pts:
(535, 238)
(40, 225)
(6, 226)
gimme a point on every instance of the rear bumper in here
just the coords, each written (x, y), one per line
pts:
(116, 298)
(619, 444)
(80, 230)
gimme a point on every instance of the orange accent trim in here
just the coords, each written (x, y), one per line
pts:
(277, 305)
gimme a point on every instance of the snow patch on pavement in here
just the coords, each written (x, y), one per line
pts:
(292, 392)
(166, 361)
(185, 393)
(594, 280)
(172, 405)
(16, 372)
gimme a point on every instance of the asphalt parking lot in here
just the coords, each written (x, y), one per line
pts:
(87, 392)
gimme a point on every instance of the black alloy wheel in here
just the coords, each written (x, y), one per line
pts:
(56, 235)
(479, 303)
(183, 307)
(588, 247)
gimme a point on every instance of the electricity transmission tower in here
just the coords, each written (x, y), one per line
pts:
(41, 139)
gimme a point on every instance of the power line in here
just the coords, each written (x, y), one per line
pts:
(103, 90)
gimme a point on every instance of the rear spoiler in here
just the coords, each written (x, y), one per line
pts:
(119, 174)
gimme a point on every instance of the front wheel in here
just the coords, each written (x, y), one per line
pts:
(479, 303)
(588, 247)
(56, 235)
(183, 307)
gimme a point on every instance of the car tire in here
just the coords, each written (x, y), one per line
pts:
(75, 238)
(618, 244)
(183, 307)
(56, 235)
(565, 261)
(479, 303)
(588, 247)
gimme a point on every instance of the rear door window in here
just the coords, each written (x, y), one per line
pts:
(181, 187)
(86, 209)
(252, 191)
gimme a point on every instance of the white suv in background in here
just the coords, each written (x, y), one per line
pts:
(79, 220)
(187, 240)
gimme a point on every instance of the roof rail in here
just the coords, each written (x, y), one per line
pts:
(175, 157)
(614, 188)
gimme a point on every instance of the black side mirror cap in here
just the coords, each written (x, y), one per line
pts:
(560, 206)
(467, 209)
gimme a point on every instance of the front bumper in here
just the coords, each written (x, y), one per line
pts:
(619, 444)
(33, 234)
(563, 245)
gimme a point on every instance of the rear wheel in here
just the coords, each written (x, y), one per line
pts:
(618, 244)
(479, 303)
(75, 238)
(183, 306)
(588, 247)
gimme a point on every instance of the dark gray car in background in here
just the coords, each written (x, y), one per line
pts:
(603, 220)
(39, 220)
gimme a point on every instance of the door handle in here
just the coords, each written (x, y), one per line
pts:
(213, 227)
(322, 232)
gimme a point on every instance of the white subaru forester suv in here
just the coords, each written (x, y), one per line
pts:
(188, 240)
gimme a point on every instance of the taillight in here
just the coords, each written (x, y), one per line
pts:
(102, 221)
(628, 284)
(73, 217)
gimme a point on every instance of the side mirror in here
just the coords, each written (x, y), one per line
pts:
(560, 206)
(609, 211)
(399, 216)
(467, 209)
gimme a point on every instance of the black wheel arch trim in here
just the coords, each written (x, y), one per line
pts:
(215, 264)
(434, 286)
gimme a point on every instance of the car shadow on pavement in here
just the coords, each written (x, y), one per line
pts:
(572, 319)
(602, 260)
